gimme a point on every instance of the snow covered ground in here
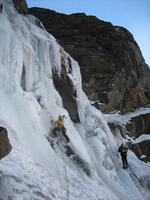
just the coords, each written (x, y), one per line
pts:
(119, 119)
(29, 56)
(141, 138)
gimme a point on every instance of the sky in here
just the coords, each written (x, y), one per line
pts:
(131, 14)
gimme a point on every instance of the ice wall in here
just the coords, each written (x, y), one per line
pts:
(28, 60)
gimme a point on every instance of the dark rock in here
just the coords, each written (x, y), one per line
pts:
(66, 90)
(142, 148)
(5, 146)
(21, 6)
(136, 127)
(139, 125)
(112, 66)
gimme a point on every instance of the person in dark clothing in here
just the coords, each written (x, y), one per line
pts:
(123, 152)
(1, 7)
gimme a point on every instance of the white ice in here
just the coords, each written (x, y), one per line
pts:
(29, 57)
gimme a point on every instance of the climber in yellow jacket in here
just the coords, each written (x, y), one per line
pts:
(60, 121)
(59, 127)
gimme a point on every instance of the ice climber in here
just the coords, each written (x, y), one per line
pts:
(123, 152)
(59, 127)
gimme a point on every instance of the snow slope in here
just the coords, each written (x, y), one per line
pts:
(29, 56)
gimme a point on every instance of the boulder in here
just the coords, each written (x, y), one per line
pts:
(21, 6)
(5, 146)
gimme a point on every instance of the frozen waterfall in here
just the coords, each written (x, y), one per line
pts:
(29, 58)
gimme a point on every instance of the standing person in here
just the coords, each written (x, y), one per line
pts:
(60, 127)
(123, 152)
(1, 7)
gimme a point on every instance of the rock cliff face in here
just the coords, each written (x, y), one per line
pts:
(21, 6)
(112, 66)
(5, 146)
(138, 126)
(65, 88)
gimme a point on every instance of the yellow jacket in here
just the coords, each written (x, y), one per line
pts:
(59, 122)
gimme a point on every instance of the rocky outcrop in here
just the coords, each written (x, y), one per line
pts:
(5, 146)
(66, 90)
(136, 127)
(142, 150)
(112, 66)
(21, 6)
(139, 125)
